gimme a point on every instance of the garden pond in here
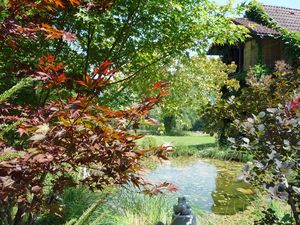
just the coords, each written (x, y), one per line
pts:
(209, 185)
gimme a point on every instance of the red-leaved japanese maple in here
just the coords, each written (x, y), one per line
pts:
(69, 132)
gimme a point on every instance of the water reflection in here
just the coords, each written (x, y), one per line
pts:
(210, 185)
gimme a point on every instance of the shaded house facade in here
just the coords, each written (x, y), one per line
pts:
(265, 44)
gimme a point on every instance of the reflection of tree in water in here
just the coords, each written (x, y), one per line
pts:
(231, 195)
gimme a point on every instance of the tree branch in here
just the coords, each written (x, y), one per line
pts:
(91, 31)
(122, 31)
(132, 76)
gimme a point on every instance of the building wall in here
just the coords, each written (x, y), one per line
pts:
(250, 53)
(271, 51)
(266, 50)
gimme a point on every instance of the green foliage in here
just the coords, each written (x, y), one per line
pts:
(258, 93)
(198, 125)
(194, 82)
(144, 38)
(225, 154)
(73, 203)
(211, 151)
(5, 128)
(272, 137)
(269, 217)
(87, 214)
(127, 207)
(133, 208)
(260, 70)
(12, 91)
(8, 156)
(148, 141)
(169, 124)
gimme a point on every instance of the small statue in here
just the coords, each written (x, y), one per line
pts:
(182, 208)
(183, 213)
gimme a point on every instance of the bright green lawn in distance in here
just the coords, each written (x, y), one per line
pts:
(196, 145)
(194, 139)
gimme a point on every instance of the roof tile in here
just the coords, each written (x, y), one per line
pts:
(256, 28)
(286, 17)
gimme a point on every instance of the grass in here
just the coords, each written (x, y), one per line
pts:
(196, 145)
(127, 207)
(194, 140)
(131, 208)
(74, 202)
(134, 208)
(223, 154)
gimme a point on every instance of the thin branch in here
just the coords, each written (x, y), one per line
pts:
(122, 31)
(91, 31)
(132, 76)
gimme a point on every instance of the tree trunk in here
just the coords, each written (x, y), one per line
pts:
(292, 203)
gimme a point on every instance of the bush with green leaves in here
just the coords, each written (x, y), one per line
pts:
(258, 94)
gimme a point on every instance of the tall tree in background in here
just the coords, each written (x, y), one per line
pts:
(140, 37)
(196, 82)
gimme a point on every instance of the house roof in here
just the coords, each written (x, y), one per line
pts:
(256, 28)
(285, 17)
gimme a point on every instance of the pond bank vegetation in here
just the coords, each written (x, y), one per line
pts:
(127, 207)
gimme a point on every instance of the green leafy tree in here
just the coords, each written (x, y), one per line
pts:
(140, 37)
(195, 82)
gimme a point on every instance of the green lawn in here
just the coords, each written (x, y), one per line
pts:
(193, 140)
(197, 145)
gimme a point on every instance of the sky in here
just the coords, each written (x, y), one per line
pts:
(285, 3)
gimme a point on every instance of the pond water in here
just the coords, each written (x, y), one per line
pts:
(209, 185)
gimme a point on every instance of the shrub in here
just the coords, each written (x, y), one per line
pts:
(148, 142)
(272, 138)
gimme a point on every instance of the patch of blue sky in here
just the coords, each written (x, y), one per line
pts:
(285, 3)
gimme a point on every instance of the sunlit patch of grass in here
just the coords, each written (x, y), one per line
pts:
(210, 151)
(133, 208)
(196, 145)
(181, 140)
(128, 207)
